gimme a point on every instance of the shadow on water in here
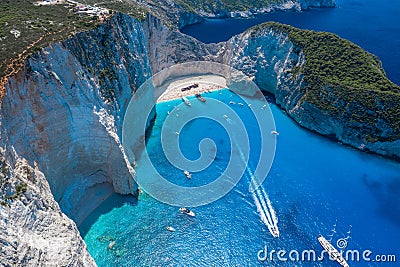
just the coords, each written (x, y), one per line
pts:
(302, 239)
(387, 193)
(289, 226)
(113, 201)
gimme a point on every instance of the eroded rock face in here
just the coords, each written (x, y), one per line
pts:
(61, 98)
(65, 109)
(33, 230)
(270, 58)
(305, 4)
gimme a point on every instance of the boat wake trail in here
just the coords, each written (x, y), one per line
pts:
(264, 208)
(262, 202)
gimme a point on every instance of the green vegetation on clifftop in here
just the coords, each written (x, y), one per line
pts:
(23, 23)
(346, 81)
(228, 5)
(25, 27)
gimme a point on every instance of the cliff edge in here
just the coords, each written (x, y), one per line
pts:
(62, 116)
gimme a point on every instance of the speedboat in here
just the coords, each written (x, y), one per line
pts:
(187, 212)
(274, 132)
(274, 231)
(170, 228)
(187, 173)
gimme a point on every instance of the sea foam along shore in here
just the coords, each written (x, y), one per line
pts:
(205, 83)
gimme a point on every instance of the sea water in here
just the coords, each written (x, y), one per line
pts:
(372, 24)
(314, 186)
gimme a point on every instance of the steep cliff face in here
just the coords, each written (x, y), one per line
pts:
(305, 4)
(245, 9)
(167, 47)
(64, 111)
(70, 100)
(268, 58)
(275, 63)
(352, 123)
(33, 230)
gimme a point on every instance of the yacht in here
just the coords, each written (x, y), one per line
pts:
(332, 251)
(187, 102)
(170, 228)
(188, 175)
(187, 212)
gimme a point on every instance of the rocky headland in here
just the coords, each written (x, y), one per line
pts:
(62, 116)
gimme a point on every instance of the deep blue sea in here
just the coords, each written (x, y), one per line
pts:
(372, 24)
(315, 185)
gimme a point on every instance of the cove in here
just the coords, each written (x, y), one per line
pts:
(315, 185)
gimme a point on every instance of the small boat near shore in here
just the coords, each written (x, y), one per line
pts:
(187, 212)
(187, 102)
(199, 97)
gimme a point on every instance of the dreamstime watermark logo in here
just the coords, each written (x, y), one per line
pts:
(311, 255)
(341, 243)
(192, 77)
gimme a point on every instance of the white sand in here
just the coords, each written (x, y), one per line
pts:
(206, 83)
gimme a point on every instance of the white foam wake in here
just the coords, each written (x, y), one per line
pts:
(264, 207)
(262, 202)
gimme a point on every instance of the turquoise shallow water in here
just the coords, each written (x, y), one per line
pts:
(313, 185)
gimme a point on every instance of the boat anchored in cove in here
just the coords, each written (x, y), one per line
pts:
(187, 102)
(187, 212)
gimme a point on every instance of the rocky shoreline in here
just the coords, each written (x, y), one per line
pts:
(64, 110)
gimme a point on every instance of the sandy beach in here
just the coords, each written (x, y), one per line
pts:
(196, 84)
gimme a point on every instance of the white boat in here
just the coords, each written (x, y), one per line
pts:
(188, 175)
(111, 245)
(226, 116)
(170, 228)
(187, 102)
(187, 212)
(274, 132)
(332, 251)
